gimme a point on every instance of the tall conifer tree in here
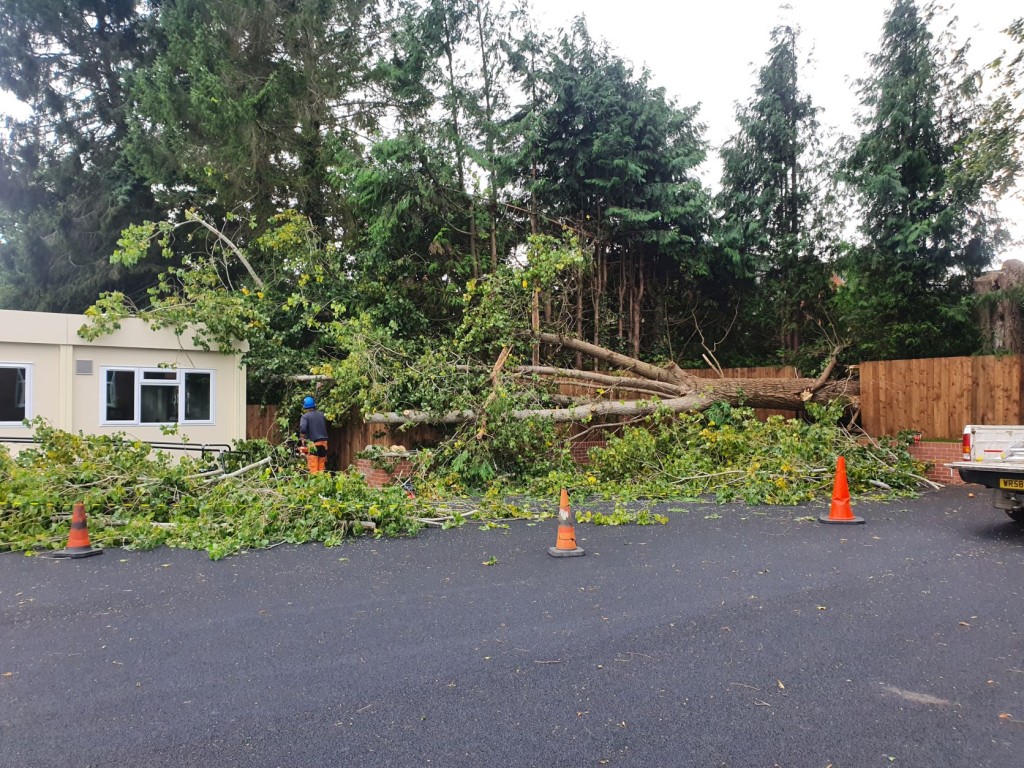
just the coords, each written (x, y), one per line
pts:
(769, 210)
(927, 232)
(66, 188)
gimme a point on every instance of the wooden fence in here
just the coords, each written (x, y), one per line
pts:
(938, 396)
(346, 438)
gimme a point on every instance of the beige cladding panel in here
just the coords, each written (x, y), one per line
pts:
(33, 327)
(227, 379)
(51, 328)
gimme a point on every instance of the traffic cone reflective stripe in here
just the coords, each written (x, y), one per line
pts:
(840, 510)
(565, 543)
(78, 538)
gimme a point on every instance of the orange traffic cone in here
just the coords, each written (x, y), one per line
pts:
(840, 511)
(565, 544)
(78, 539)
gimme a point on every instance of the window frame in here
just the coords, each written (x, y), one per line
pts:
(178, 382)
(28, 384)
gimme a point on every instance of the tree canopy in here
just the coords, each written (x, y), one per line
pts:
(365, 189)
(927, 224)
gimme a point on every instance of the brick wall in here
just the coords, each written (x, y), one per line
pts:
(579, 450)
(378, 477)
(938, 455)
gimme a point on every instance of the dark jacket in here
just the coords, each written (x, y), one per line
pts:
(313, 426)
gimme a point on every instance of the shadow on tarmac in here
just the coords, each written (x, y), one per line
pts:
(1006, 530)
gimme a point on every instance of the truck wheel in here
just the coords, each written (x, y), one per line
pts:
(1017, 515)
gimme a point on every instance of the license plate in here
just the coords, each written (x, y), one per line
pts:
(1011, 483)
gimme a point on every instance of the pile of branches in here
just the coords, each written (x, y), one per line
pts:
(728, 454)
(261, 496)
(140, 498)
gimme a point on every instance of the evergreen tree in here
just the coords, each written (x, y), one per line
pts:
(248, 104)
(66, 189)
(1000, 138)
(926, 227)
(618, 159)
(770, 211)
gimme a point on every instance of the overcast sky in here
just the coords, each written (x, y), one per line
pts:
(709, 51)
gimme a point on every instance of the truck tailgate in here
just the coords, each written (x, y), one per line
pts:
(1008, 475)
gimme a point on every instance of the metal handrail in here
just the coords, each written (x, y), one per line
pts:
(203, 448)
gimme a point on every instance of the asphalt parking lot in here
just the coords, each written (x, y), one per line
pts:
(732, 636)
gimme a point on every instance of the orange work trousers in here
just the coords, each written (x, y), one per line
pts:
(316, 459)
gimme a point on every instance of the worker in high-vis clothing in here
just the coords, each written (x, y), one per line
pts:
(313, 436)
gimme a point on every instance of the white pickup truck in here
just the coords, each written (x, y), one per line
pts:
(994, 457)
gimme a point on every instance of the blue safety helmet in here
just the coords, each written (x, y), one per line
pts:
(308, 402)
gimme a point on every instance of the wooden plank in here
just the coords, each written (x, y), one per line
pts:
(981, 391)
(958, 400)
(1001, 399)
(1011, 389)
(982, 394)
(960, 390)
(938, 411)
(868, 397)
(949, 405)
(938, 414)
(976, 405)
(992, 370)
(923, 385)
(1014, 370)
(1019, 392)
(885, 399)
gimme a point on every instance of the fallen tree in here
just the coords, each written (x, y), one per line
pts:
(633, 388)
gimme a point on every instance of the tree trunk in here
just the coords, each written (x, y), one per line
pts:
(663, 387)
(535, 324)
(785, 394)
(560, 415)
(579, 314)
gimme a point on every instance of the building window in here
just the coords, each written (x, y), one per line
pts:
(198, 396)
(157, 396)
(120, 396)
(15, 394)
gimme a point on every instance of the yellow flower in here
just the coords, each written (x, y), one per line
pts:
(526, 284)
